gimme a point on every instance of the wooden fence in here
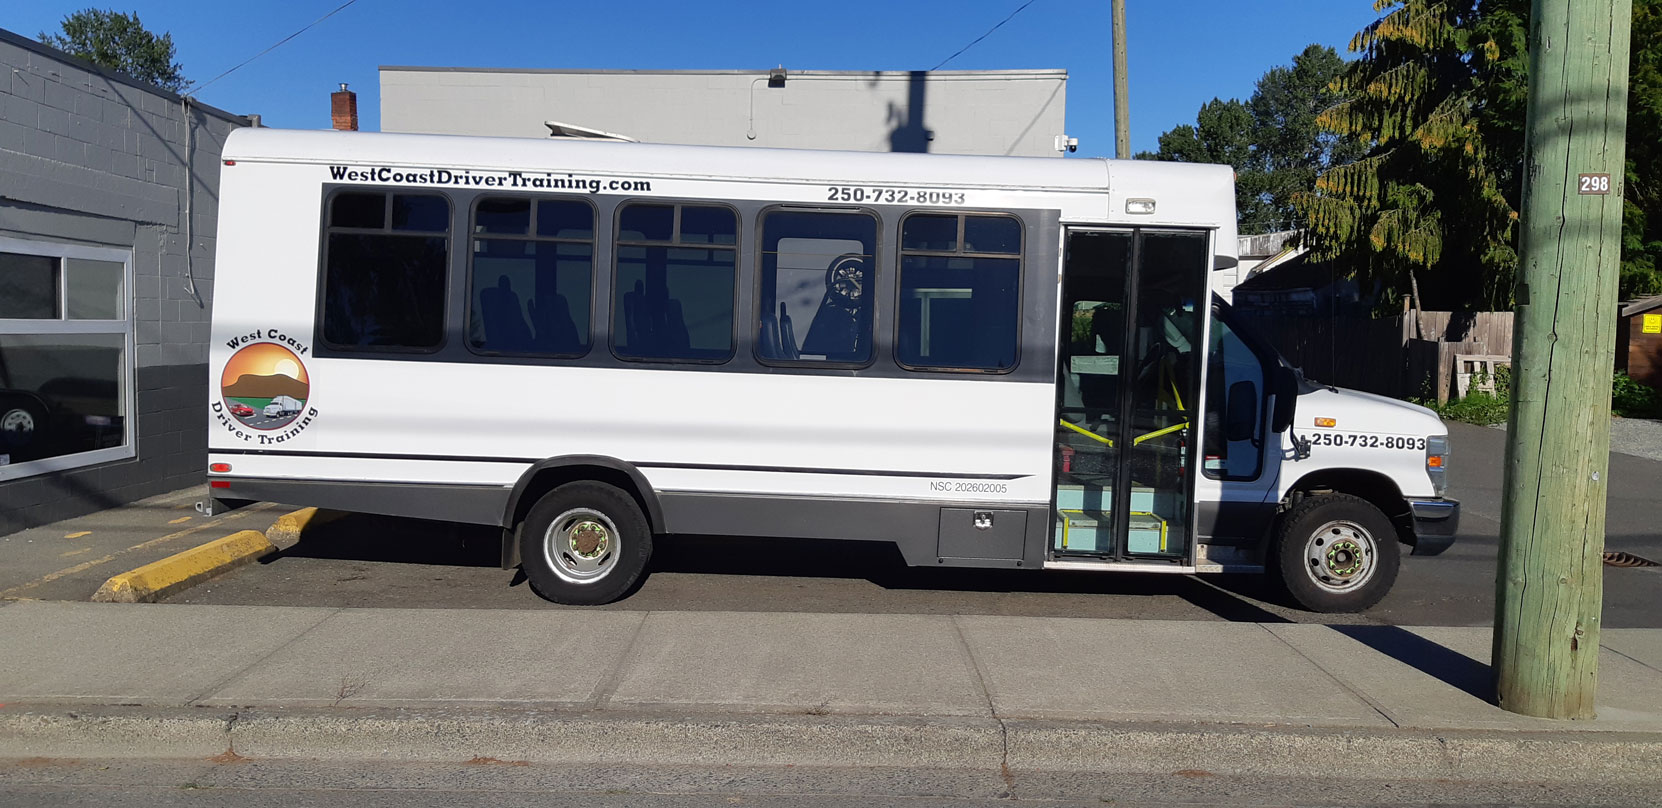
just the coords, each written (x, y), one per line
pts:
(1388, 356)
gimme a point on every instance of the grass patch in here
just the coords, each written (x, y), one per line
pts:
(1628, 399)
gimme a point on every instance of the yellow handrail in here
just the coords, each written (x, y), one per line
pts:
(1158, 432)
(1086, 432)
(1138, 440)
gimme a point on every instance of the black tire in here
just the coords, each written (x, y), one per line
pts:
(585, 544)
(1318, 545)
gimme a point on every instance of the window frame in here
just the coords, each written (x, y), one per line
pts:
(1269, 360)
(63, 325)
(614, 299)
(531, 235)
(325, 229)
(1020, 257)
(873, 285)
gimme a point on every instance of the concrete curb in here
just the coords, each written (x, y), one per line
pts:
(184, 569)
(990, 745)
(290, 527)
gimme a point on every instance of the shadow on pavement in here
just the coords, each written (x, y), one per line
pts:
(364, 537)
(1442, 663)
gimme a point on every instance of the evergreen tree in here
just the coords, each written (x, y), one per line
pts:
(1423, 211)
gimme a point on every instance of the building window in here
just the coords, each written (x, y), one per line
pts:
(676, 268)
(384, 271)
(66, 370)
(817, 283)
(530, 279)
(960, 282)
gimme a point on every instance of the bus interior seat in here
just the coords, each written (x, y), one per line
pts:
(555, 331)
(835, 331)
(504, 320)
(778, 338)
(654, 324)
(767, 337)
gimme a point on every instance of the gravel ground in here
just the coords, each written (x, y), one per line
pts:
(1640, 437)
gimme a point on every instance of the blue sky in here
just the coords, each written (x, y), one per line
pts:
(1182, 52)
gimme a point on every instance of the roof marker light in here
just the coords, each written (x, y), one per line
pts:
(1139, 207)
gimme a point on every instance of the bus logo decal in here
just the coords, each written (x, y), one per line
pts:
(264, 388)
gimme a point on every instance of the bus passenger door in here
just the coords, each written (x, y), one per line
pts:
(1090, 392)
(1127, 393)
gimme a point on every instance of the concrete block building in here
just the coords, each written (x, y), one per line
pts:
(988, 112)
(108, 190)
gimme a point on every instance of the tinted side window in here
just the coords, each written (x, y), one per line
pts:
(673, 299)
(529, 294)
(384, 271)
(817, 282)
(960, 282)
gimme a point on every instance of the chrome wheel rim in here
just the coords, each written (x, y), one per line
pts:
(1340, 556)
(581, 546)
(18, 421)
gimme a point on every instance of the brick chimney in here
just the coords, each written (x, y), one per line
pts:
(343, 109)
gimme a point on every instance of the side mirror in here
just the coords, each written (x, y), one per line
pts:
(1284, 384)
(1240, 420)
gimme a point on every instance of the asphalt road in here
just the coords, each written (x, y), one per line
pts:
(63, 783)
(367, 561)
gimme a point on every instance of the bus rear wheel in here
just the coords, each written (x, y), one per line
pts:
(585, 544)
(1336, 553)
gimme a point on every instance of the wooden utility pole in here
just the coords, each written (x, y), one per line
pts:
(1550, 586)
(1122, 91)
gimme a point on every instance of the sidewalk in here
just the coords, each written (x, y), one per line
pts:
(99, 680)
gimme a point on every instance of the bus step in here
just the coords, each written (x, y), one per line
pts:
(1097, 498)
(1091, 531)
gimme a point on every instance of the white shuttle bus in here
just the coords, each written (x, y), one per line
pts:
(989, 362)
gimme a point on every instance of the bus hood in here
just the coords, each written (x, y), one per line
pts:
(1354, 410)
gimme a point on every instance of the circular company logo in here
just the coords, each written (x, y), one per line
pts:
(264, 386)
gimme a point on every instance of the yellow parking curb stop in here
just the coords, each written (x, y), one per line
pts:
(157, 580)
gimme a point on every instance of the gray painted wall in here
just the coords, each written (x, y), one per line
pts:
(1012, 112)
(95, 158)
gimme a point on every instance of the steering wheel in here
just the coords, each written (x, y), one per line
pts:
(845, 280)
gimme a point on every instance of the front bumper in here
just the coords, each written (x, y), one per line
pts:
(1435, 523)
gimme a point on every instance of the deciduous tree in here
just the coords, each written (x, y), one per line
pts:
(120, 42)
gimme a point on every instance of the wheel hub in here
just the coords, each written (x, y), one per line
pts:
(581, 546)
(589, 539)
(1339, 556)
(1344, 558)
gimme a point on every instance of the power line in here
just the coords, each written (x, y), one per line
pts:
(194, 88)
(984, 36)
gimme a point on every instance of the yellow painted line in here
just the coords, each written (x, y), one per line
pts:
(87, 565)
(75, 552)
(78, 534)
(181, 520)
(158, 579)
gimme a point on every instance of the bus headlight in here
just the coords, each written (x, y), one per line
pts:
(1436, 463)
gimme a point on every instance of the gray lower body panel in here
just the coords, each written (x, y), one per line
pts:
(916, 527)
(1233, 523)
(469, 504)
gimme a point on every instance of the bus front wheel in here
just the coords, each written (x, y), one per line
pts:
(1335, 553)
(584, 544)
